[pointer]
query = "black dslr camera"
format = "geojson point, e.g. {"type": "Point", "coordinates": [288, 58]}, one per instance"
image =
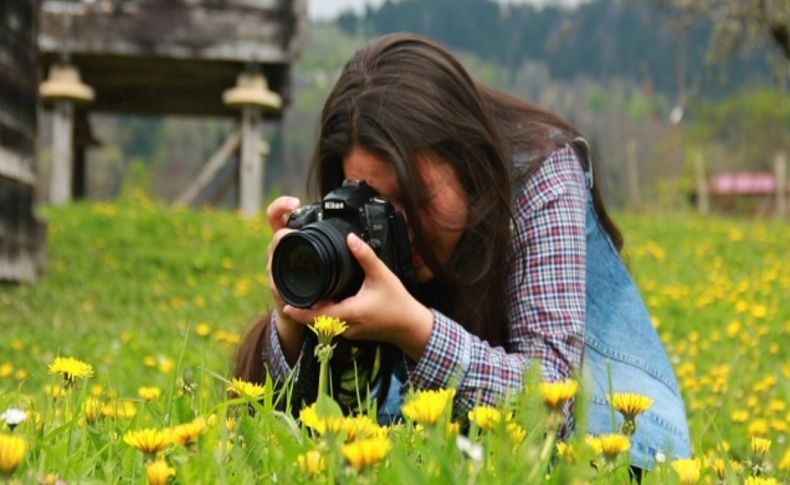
{"type": "Point", "coordinates": [314, 263]}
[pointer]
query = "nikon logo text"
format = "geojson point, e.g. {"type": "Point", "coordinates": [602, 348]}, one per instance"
{"type": "Point", "coordinates": [330, 204]}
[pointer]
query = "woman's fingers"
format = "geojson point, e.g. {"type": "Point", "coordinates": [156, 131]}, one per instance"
{"type": "Point", "coordinates": [365, 256]}
{"type": "Point", "coordinates": [278, 211]}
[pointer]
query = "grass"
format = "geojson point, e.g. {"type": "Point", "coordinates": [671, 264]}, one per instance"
{"type": "Point", "coordinates": [157, 297]}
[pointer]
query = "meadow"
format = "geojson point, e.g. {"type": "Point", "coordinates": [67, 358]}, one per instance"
{"type": "Point", "coordinates": [155, 301]}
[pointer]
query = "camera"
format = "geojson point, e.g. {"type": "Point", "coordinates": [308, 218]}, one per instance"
{"type": "Point", "coordinates": [314, 262]}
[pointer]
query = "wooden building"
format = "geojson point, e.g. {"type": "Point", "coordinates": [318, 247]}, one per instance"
{"type": "Point", "coordinates": [21, 233]}
{"type": "Point", "coordinates": [227, 58]}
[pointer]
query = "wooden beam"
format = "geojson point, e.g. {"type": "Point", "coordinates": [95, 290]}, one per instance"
{"type": "Point", "coordinates": [169, 29]}
{"type": "Point", "coordinates": [210, 169]}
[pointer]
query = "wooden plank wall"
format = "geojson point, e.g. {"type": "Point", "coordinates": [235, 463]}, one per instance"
{"type": "Point", "coordinates": [21, 234]}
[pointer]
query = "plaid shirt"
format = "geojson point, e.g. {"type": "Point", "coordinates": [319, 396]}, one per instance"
{"type": "Point", "coordinates": [547, 300]}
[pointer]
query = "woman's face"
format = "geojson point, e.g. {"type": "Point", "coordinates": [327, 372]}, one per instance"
{"type": "Point", "coordinates": [444, 215]}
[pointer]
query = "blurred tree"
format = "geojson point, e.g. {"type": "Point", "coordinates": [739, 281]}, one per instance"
{"type": "Point", "coordinates": [750, 126]}
{"type": "Point", "coordinates": [737, 23]}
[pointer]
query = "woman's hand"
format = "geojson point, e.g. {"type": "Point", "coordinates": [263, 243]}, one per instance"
{"type": "Point", "coordinates": [382, 310]}
{"type": "Point", "coordinates": [291, 333]}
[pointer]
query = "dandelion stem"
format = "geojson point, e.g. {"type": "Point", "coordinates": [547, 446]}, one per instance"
{"type": "Point", "coordinates": [322, 377]}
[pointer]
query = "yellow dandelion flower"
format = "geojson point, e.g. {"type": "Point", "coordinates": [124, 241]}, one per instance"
{"type": "Point", "coordinates": [687, 469]}
{"type": "Point", "coordinates": [760, 481]}
{"type": "Point", "coordinates": [246, 389]}
{"type": "Point", "coordinates": [594, 442]}
{"type": "Point", "coordinates": [202, 329]}
{"type": "Point", "coordinates": [367, 452]}
{"type": "Point", "coordinates": [311, 463]}
{"type": "Point", "coordinates": [159, 472]}
{"type": "Point", "coordinates": [516, 432]}
{"type": "Point", "coordinates": [784, 463]}
{"type": "Point", "coordinates": [309, 418]}
{"type": "Point", "coordinates": [150, 441]}
{"type": "Point", "coordinates": [780, 426]}
{"type": "Point", "coordinates": [55, 392]}
{"type": "Point", "coordinates": [719, 468]}
{"type": "Point", "coordinates": [629, 404]}
{"type": "Point", "coordinates": [165, 365]}
{"type": "Point", "coordinates": [51, 479]}
{"type": "Point", "coordinates": [760, 447]}
{"type": "Point", "coordinates": [776, 406]}
{"type": "Point", "coordinates": [733, 329]}
{"type": "Point", "coordinates": [119, 410]}
{"type": "Point", "coordinates": [225, 337]}
{"type": "Point", "coordinates": [556, 393]}
{"type": "Point", "coordinates": [485, 417]}
{"type": "Point", "coordinates": [12, 450]}
{"type": "Point", "coordinates": [71, 369]}
{"type": "Point", "coordinates": [425, 407]}
{"type": "Point", "coordinates": [360, 426]}
{"type": "Point", "coordinates": [614, 444]}
{"type": "Point", "coordinates": [758, 427]}
{"type": "Point", "coordinates": [739, 416]}
{"type": "Point", "coordinates": [332, 424]}
{"type": "Point", "coordinates": [565, 452]}
{"type": "Point", "coordinates": [96, 390]}
{"type": "Point", "coordinates": [759, 311]}
{"type": "Point", "coordinates": [230, 424]}
{"type": "Point", "coordinates": [92, 409]}
{"type": "Point", "coordinates": [149, 393]}
{"type": "Point", "coordinates": [187, 433]}
{"type": "Point", "coordinates": [327, 328]}
{"type": "Point", "coordinates": [6, 369]}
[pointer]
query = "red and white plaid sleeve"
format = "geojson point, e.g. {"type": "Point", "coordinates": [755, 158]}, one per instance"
{"type": "Point", "coordinates": [547, 297]}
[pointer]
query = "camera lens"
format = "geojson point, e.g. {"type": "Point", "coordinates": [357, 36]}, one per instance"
{"type": "Point", "coordinates": [314, 264]}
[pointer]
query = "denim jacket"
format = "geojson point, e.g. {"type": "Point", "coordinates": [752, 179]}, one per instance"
{"type": "Point", "coordinates": [622, 347]}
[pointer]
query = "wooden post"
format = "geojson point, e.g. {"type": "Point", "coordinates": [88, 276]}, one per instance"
{"type": "Point", "coordinates": [632, 166]}
{"type": "Point", "coordinates": [251, 167]}
{"type": "Point", "coordinates": [252, 95]}
{"type": "Point", "coordinates": [64, 88]}
{"type": "Point", "coordinates": [780, 167]}
{"type": "Point", "coordinates": [62, 152]}
{"type": "Point", "coordinates": [702, 185]}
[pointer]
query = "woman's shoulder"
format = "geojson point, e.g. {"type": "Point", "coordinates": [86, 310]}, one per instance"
{"type": "Point", "coordinates": [559, 173]}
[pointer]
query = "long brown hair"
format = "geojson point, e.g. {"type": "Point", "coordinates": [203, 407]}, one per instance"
{"type": "Point", "coordinates": [402, 96]}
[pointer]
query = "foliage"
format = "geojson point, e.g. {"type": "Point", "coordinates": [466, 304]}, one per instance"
{"type": "Point", "coordinates": [751, 126]}
{"type": "Point", "coordinates": [600, 39]}
{"type": "Point", "coordinates": [157, 298]}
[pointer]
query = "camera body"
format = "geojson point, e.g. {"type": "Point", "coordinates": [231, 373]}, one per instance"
{"type": "Point", "coordinates": [314, 263]}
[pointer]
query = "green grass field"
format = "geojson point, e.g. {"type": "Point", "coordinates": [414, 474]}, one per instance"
{"type": "Point", "coordinates": [155, 297]}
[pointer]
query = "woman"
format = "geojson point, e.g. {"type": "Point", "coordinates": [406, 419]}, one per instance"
{"type": "Point", "coordinates": [517, 260]}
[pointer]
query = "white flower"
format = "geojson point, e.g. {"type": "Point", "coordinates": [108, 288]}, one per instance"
{"type": "Point", "coordinates": [661, 458]}
{"type": "Point", "coordinates": [473, 450]}
{"type": "Point", "coordinates": [13, 417]}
